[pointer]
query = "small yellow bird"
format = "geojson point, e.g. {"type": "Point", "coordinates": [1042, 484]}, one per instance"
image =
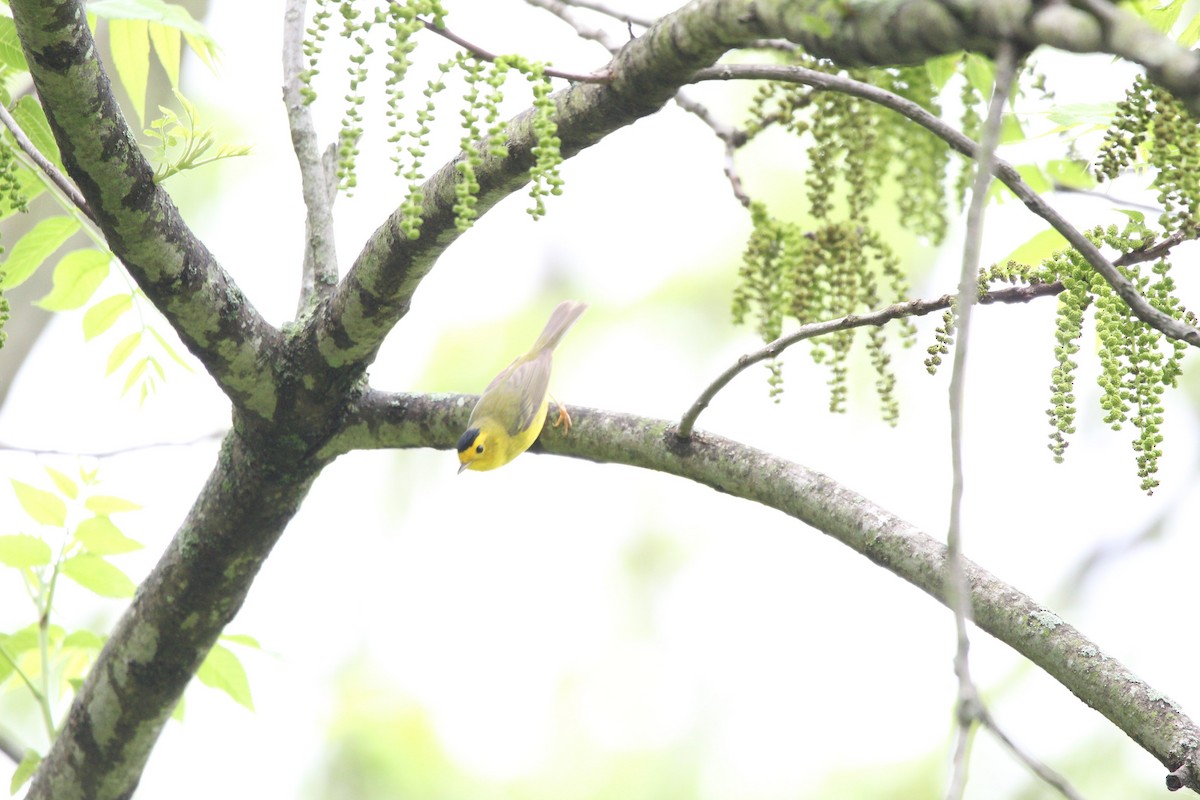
{"type": "Point", "coordinates": [511, 412]}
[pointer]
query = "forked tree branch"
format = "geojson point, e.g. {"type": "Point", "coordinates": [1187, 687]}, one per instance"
{"type": "Point", "coordinates": [1158, 725]}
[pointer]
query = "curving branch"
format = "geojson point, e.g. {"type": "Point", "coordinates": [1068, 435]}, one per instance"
{"type": "Point", "coordinates": [136, 215]}
{"type": "Point", "coordinates": [1120, 284]}
{"type": "Point", "coordinates": [1158, 725]}
{"type": "Point", "coordinates": [301, 401]}
{"type": "Point", "coordinates": [909, 308]}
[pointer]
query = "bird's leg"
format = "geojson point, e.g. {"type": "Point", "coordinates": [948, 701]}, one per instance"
{"type": "Point", "coordinates": [562, 418]}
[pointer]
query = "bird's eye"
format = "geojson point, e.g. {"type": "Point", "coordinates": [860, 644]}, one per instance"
{"type": "Point", "coordinates": [478, 448]}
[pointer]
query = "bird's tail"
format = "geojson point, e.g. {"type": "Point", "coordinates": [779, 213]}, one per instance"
{"type": "Point", "coordinates": [563, 318]}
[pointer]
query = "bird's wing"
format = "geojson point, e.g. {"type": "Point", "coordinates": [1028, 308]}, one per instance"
{"type": "Point", "coordinates": [515, 396]}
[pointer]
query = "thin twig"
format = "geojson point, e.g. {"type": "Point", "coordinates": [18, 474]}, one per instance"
{"type": "Point", "coordinates": [486, 55]}
{"type": "Point", "coordinates": [602, 8]}
{"type": "Point", "coordinates": [731, 137]}
{"type": "Point", "coordinates": [1048, 775]}
{"type": "Point", "coordinates": [63, 183]}
{"type": "Point", "coordinates": [1173, 328]}
{"type": "Point", "coordinates": [958, 590]}
{"type": "Point", "coordinates": [320, 269]}
{"type": "Point", "coordinates": [118, 451]}
{"type": "Point", "coordinates": [909, 308]}
{"type": "Point", "coordinates": [567, 14]}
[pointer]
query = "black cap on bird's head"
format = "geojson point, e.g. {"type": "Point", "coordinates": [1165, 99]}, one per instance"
{"type": "Point", "coordinates": [468, 449]}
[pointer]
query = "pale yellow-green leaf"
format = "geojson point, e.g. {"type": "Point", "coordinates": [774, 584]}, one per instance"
{"type": "Point", "coordinates": [25, 769]}
{"type": "Point", "coordinates": [105, 504]}
{"type": "Point", "coordinates": [83, 640]}
{"type": "Point", "coordinates": [100, 536]}
{"type": "Point", "coordinates": [31, 118]}
{"type": "Point", "coordinates": [1037, 248]}
{"type": "Point", "coordinates": [45, 508]}
{"type": "Point", "coordinates": [129, 41]}
{"type": "Point", "coordinates": [97, 575]}
{"type": "Point", "coordinates": [170, 351]}
{"type": "Point", "coordinates": [76, 278]}
{"type": "Point", "coordinates": [102, 315]}
{"type": "Point", "coordinates": [166, 41]}
{"type": "Point", "coordinates": [136, 372]}
{"type": "Point", "coordinates": [22, 550]}
{"type": "Point", "coordinates": [121, 352]}
{"type": "Point", "coordinates": [11, 54]}
{"type": "Point", "coordinates": [32, 249]}
{"type": "Point", "coordinates": [223, 670]}
{"type": "Point", "coordinates": [242, 639]}
{"type": "Point", "coordinates": [66, 485]}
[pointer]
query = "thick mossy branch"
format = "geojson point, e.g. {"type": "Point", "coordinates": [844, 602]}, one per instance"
{"type": "Point", "coordinates": [140, 222]}
{"type": "Point", "coordinates": [179, 611]}
{"type": "Point", "coordinates": [1151, 720]}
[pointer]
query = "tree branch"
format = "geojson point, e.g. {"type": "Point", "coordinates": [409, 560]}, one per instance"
{"type": "Point", "coordinates": [1158, 725]}
{"type": "Point", "coordinates": [196, 588]}
{"type": "Point", "coordinates": [909, 308]}
{"type": "Point", "coordinates": [487, 55]}
{"type": "Point", "coordinates": [970, 705]}
{"type": "Point", "coordinates": [320, 271]}
{"type": "Point", "coordinates": [137, 217]}
{"type": "Point", "coordinates": [57, 178]}
{"type": "Point", "coordinates": [1124, 288]}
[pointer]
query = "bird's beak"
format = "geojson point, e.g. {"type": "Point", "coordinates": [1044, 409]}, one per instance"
{"type": "Point", "coordinates": [463, 466]}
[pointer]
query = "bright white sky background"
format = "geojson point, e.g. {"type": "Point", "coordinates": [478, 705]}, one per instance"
{"type": "Point", "coordinates": [477, 595]}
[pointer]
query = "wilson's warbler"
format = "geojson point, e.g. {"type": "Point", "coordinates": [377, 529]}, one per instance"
{"type": "Point", "coordinates": [511, 412]}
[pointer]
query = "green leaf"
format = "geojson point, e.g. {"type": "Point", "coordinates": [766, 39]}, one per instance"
{"type": "Point", "coordinates": [83, 640]}
{"type": "Point", "coordinates": [121, 352]}
{"type": "Point", "coordinates": [169, 350]}
{"type": "Point", "coordinates": [1011, 130]}
{"type": "Point", "coordinates": [44, 507]}
{"type": "Point", "coordinates": [981, 73]}
{"type": "Point", "coordinates": [166, 45]}
{"type": "Point", "coordinates": [34, 248]}
{"type": "Point", "coordinates": [129, 42]}
{"type": "Point", "coordinates": [1191, 34]}
{"type": "Point", "coordinates": [1038, 248]}
{"type": "Point", "coordinates": [151, 11]}
{"type": "Point", "coordinates": [941, 69]}
{"type": "Point", "coordinates": [223, 670]}
{"type": "Point", "coordinates": [1071, 114]}
{"type": "Point", "coordinates": [11, 54]}
{"type": "Point", "coordinates": [66, 485]}
{"type": "Point", "coordinates": [22, 550]}
{"type": "Point", "coordinates": [76, 278]}
{"type": "Point", "coordinates": [1070, 173]}
{"type": "Point", "coordinates": [97, 575]}
{"type": "Point", "coordinates": [136, 372]}
{"type": "Point", "coordinates": [105, 504]}
{"type": "Point", "coordinates": [242, 639]}
{"type": "Point", "coordinates": [1033, 175]}
{"type": "Point", "coordinates": [31, 117]}
{"type": "Point", "coordinates": [101, 537]}
{"type": "Point", "coordinates": [101, 316]}
{"type": "Point", "coordinates": [25, 769]}
{"type": "Point", "coordinates": [1135, 215]}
